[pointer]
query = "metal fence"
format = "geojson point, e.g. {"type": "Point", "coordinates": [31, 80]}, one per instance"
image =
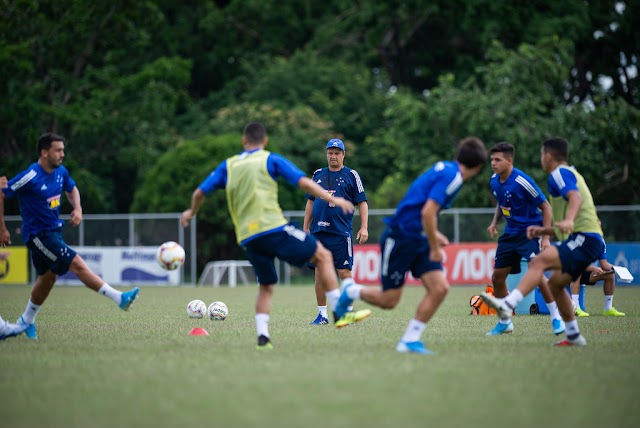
{"type": "Point", "coordinates": [620, 224]}
{"type": "Point", "coordinates": [127, 230]}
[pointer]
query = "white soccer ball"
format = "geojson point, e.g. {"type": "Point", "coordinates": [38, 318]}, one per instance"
{"type": "Point", "coordinates": [196, 309]}
{"type": "Point", "coordinates": [170, 255]}
{"type": "Point", "coordinates": [218, 311]}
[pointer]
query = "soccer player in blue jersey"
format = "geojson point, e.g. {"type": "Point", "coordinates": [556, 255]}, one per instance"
{"type": "Point", "coordinates": [331, 226]}
{"type": "Point", "coordinates": [577, 227]}
{"type": "Point", "coordinates": [39, 190]}
{"type": "Point", "coordinates": [249, 180]}
{"type": "Point", "coordinates": [522, 204]}
{"type": "Point", "coordinates": [412, 242]}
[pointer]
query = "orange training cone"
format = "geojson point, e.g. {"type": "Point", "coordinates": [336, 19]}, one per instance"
{"type": "Point", "coordinates": [198, 332]}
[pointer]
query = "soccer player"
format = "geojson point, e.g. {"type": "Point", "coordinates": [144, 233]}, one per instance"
{"type": "Point", "coordinates": [8, 329]}
{"type": "Point", "coordinates": [249, 180]}
{"type": "Point", "coordinates": [590, 276]}
{"type": "Point", "coordinates": [412, 242]}
{"type": "Point", "coordinates": [39, 190]}
{"type": "Point", "coordinates": [522, 204]}
{"type": "Point", "coordinates": [576, 225]}
{"type": "Point", "coordinates": [333, 227]}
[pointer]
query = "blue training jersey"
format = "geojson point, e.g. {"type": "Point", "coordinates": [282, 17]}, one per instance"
{"type": "Point", "coordinates": [441, 183]}
{"type": "Point", "coordinates": [345, 183]}
{"type": "Point", "coordinates": [39, 194]}
{"type": "Point", "coordinates": [518, 198]}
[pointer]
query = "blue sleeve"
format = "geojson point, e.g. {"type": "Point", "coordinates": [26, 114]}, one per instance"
{"type": "Point", "coordinates": [68, 183]}
{"type": "Point", "coordinates": [443, 181]}
{"type": "Point", "coordinates": [279, 166]}
{"type": "Point", "coordinates": [536, 199]}
{"type": "Point", "coordinates": [568, 183]}
{"type": "Point", "coordinates": [12, 188]}
{"type": "Point", "coordinates": [216, 180]}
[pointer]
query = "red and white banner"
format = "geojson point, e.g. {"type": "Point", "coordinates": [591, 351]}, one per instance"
{"type": "Point", "coordinates": [470, 263]}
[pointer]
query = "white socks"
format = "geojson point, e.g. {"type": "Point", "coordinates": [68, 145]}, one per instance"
{"type": "Point", "coordinates": [110, 292]}
{"type": "Point", "coordinates": [513, 299]}
{"type": "Point", "coordinates": [553, 311]}
{"type": "Point", "coordinates": [262, 324]}
{"type": "Point", "coordinates": [29, 315]}
{"type": "Point", "coordinates": [332, 298]}
{"type": "Point", "coordinates": [414, 331]}
{"type": "Point", "coordinates": [608, 302]}
{"type": "Point", "coordinates": [322, 310]}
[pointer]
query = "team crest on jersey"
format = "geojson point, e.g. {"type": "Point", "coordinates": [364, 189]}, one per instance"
{"type": "Point", "coordinates": [54, 202]}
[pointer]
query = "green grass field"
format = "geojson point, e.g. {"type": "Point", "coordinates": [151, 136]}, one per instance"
{"type": "Point", "coordinates": [96, 366]}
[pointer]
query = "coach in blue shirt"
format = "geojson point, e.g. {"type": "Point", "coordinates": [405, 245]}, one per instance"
{"type": "Point", "coordinates": [331, 226]}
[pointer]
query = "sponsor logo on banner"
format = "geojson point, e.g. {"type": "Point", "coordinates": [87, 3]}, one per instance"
{"type": "Point", "coordinates": [463, 264]}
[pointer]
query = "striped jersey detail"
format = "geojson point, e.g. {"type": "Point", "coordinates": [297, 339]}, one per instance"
{"type": "Point", "coordinates": [557, 177]}
{"type": "Point", "coordinates": [527, 186]}
{"type": "Point", "coordinates": [24, 180]}
{"type": "Point", "coordinates": [455, 184]}
{"type": "Point", "coordinates": [358, 180]}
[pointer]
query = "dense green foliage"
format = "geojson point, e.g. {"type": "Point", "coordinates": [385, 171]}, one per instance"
{"type": "Point", "coordinates": [131, 84]}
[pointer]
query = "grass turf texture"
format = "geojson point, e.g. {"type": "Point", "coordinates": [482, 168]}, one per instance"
{"type": "Point", "coordinates": [97, 366]}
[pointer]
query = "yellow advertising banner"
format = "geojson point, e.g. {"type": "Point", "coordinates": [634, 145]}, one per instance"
{"type": "Point", "coordinates": [14, 265]}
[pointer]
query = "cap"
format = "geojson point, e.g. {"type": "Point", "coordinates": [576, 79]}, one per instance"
{"type": "Point", "coordinates": [335, 144]}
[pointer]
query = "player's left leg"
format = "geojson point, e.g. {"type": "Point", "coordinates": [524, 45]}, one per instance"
{"type": "Point", "coordinates": [437, 287]}
{"type": "Point", "coordinates": [558, 283]}
{"type": "Point", "coordinates": [609, 289]}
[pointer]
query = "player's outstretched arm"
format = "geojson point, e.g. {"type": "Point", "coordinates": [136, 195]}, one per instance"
{"type": "Point", "coordinates": [197, 198]}
{"type": "Point", "coordinates": [313, 188]}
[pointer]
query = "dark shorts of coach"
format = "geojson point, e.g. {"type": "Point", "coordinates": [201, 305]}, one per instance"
{"type": "Point", "coordinates": [291, 245]}
{"type": "Point", "coordinates": [341, 248]}
{"type": "Point", "coordinates": [400, 254]}
{"type": "Point", "coordinates": [50, 252]}
{"type": "Point", "coordinates": [513, 248]}
{"type": "Point", "coordinates": [578, 252]}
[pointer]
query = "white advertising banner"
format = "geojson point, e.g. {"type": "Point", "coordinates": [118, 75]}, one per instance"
{"type": "Point", "coordinates": [123, 266]}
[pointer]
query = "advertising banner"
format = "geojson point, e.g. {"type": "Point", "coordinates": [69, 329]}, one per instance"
{"type": "Point", "coordinates": [124, 266]}
{"type": "Point", "coordinates": [14, 265]}
{"type": "Point", "coordinates": [464, 264]}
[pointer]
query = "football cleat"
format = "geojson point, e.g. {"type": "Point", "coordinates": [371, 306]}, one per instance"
{"type": "Point", "coordinates": [264, 342]}
{"type": "Point", "coordinates": [351, 317]}
{"type": "Point", "coordinates": [613, 312]}
{"type": "Point", "coordinates": [128, 297]}
{"type": "Point", "coordinates": [558, 326]}
{"type": "Point", "coordinates": [578, 341]}
{"type": "Point", "coordinates": [320, 320]}
{"type": "Point", "coordinates": [416, 347]}
{"type": "Point", "coordinates": [30, 329]}
{"type": "Point", "coordinates": [497, 304]}
{"type": "Point", "coordinates": [501, 329]}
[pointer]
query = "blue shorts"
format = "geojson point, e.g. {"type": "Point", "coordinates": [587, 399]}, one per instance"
{"type": "Point", "coordinates": [513, 248]}
{"type": "Point", "coordinates": [400, 254]}
{"type": "Point", "coordinates": [291, 245]}
{"type": "Point", "coordinates": [340, 246]}
{"type": "Point", "coordinates": [50, 252]}
{"type": "Point", "coordinates": [578, 252]}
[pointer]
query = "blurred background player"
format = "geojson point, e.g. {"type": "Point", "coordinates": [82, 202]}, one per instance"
{"type": "Point", "coordinates": [591, 276]}
{"type": "Point", "coordinates": [412, 242]}
{"type": "Point", "coordinates": [39, 190]}
{"type": "Point", "coordinates": [331, 226]}
{"type": "Point", "coordinates": [522, 204]}
{"type": "Point", "coordinates": [250, 183]}
{"type": "Point", "coordinates": [577, 227]}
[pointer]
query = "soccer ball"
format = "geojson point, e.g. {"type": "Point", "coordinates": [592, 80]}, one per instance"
{"type": "Point", "coordinates": [218, 311]}
{"type": "Point", "coordinates": [196, 309]}
{"type": "Point", "coordinates": [170, 255]}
